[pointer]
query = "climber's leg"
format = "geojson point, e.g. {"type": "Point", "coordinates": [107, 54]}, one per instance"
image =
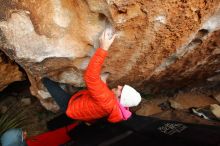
{"type": "Point", "coordinates": [58, 94]}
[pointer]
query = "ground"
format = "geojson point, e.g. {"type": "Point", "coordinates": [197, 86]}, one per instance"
{"type": "Point", "coordinates": [18, 95]}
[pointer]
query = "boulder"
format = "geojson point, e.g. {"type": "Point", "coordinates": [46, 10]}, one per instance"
{"type": "Point", "coordinates": [161, 45]}
{"type": "Point", "coordinates": [191, 99]}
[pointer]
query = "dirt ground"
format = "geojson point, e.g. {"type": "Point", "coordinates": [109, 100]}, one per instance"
{"type": "Point", "coordinates": [18, 95]}
{"type": "Point", "coordinates": [37, 115]}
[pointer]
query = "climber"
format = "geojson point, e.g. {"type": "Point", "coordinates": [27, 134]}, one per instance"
{"type": "Point", "coordinates": [98, 100]}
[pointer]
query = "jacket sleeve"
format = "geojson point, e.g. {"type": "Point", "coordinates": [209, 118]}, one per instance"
{"type": "Point", "coordinates": [97, 88]}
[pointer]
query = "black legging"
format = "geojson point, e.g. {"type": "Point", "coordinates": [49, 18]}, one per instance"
{"type": "Point", "coordinates": [58, 94]}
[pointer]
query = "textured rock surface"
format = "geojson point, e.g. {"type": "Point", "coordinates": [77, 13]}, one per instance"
{"type": "Point", "coordinates": [151, 107]}
{"type": "Point", "coordinates": [215, 108]}
{"type": "Point", "coordinates": [217, 96]}
{"type": "Point", "coordinates": [161, 45]}
{"type": "Point", "coordinates": [192, 99]}
{"type": "Point", "coordinates": [9, 72]}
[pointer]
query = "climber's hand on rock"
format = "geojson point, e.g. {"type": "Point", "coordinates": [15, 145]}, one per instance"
{"type": "Point", "coordinates": [106, 39]}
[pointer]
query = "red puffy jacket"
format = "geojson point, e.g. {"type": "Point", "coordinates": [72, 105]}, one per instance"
{"type": "Point", "coordinates": [98, 100]}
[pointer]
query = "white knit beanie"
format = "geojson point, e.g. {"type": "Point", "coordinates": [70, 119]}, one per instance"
{"type": "Point", "coordinates": [129, 97]}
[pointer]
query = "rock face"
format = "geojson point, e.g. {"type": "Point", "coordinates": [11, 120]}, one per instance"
{"type": "Point", "coordinates": [192, 99]}
{"type": "Point", "coordinates": [161, 45]}
{"type": "Point", "coordinates": [9, 72]}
